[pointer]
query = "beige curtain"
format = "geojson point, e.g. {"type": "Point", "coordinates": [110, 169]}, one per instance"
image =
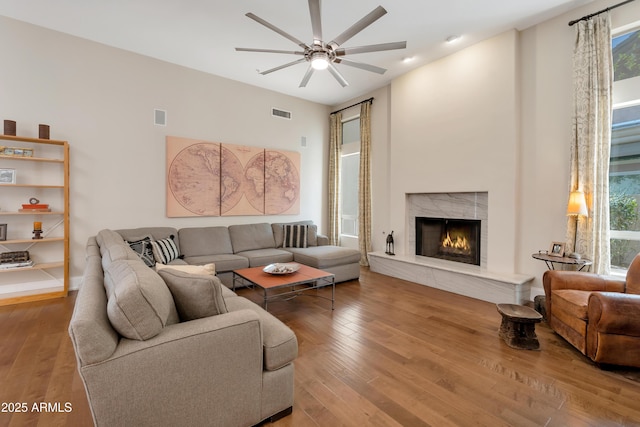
{"type": "Point", "coordinates": [591, 139]}
{"type": "Point", "coordinates": [335, 147]}
{"type": "Point", "coordinates": [364, 185]}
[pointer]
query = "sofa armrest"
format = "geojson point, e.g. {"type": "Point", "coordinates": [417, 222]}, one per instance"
{"type": "Point", "coordinates": [615, 313]}
{"type": "Point", "coordinates": [323, 240]}
{"type": "Point", "coordinates": [196, 364]}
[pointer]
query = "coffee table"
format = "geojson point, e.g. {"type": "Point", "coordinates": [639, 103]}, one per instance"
{"type": "Point", "coordinates": [277, 286]}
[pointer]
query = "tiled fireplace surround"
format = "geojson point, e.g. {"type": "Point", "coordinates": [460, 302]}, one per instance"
{"type": "Point", "coordinates": [465, 279]}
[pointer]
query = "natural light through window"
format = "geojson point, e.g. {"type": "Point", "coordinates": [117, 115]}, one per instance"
{"type": "Point", "coordinates": [349, 177]}
{"type": "Point", "coordinates": [624, 170]}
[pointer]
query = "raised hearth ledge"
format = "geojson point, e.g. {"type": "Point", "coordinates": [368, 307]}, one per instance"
{"type": "Point", "coordinates": [464, 279]}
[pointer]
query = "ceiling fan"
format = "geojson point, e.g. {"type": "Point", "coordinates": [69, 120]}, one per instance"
{"type": "Point", "coordinates": [321, 55]}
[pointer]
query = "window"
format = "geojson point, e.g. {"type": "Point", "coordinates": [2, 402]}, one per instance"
{"type": "Point", "coordinates": [349, 172]}
{"type": "Point", "coordinates": [624, 167]}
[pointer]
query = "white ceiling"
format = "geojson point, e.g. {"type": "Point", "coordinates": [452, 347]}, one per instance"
{"type": "Point", "coordinates": [202, 34]}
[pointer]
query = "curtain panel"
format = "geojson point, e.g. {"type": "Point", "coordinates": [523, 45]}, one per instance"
{"type": "Point", "coordinates": [591, 139]}
{"type": "Point", "coordinates": [364, 185]}
{"type": "Point", "coordinates": [335, 149]}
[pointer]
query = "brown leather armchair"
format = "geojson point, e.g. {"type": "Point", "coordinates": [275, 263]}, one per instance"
{"type": "Point", "coordinates": [598, 315]}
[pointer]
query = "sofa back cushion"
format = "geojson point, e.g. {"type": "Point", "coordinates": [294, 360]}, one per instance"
{"type": "Point", "coordinates": [156, 233]}
{"type": "Point", "coordinates": [249, 237]}
{"type": "Point", "coordinates": [200, 241]}
{"type": "Point", "coordinates": [113, 248]}
{"type": "Point", "coordinates": [139, 303]}
{"type": "Point", "coordinates": [632, 285]}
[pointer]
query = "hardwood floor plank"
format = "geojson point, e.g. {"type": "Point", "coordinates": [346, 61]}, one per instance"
{"type": "Point", "coordinates": [392, 353]}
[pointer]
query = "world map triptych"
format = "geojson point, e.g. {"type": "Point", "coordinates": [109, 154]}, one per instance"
{"type": "Point", "coordinates": [218, 179]}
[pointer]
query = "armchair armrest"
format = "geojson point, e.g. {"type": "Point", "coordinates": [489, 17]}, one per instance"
{"type": "Point", "coordinates": [615, 313]}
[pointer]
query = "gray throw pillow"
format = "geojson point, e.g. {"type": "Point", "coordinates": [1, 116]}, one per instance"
{"type": "Point", "coordinates": [195, 296]}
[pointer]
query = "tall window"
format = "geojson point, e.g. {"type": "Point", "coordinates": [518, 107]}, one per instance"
{"type": "Point", "coordinates": [624, 168]}
{"type": "Point", "coordinates": [349, 176]}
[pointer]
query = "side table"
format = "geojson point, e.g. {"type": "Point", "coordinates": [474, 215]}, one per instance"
{"type": "Point", "coordinates": [550, 260]}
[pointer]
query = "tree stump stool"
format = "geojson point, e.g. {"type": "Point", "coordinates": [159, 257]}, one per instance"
{"type": "Point", "coordinates": [518, 328]}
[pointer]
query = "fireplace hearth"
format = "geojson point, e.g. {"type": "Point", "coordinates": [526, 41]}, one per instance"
{"type": "Point", "coordinates": [448, 238]}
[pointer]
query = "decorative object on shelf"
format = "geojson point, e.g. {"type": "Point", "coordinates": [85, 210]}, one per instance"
{"type": "Point", "coordinates": [15, 256]}
{"type": "Point", "coordinates": [16, 151]}
{"type": "Point", "coordinates": [3, 231]}
{"type": "Point", "coordinates": [576, 208]}
{"type": "Point", "coordinates": [7, 176]}
{"type": "Point", "coordinates": [43, 131]}
{"type": "Point", "coordinates": [556, 249]}
{"type": "Point", "coordinates": [34, 205]}
{"type": "Point", "coordinates": [37, 230]}
{"type": "Point", "coordinates": [10, 127]}
{"type": "Point", "coordinates": [390, 244]}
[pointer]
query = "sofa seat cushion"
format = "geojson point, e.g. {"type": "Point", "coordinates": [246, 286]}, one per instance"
{"type": "Point", "coordinates": [139, 303]}
{"type": "Point", "coordinates": [280, 345]}
{"type": "Point", "coordinates": [223, 262]}
{"type": "Point", "coordinates": [325, 256]}
{"type": "Point", "coordinates": [260, 257]}
{"type": "Point", "coordinates": [572, 302]}
{"type": "Point", "coordinates": [249, 237]}
{"type": "Point", "coordinates": [195, 295]}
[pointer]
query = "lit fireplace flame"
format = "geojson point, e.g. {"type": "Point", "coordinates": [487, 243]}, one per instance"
{"type": "Point", "coordinates": [460, 243]}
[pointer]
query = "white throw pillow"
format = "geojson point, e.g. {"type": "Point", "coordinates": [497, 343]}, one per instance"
{"type": "Point", "coordinates": [191, 269]}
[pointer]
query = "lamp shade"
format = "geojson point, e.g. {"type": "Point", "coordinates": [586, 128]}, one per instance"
{"type": "Point", "coordinates": [577, 204]}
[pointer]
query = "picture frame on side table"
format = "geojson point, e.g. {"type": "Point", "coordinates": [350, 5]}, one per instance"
{"type": "Point", "coordinates": [3, 232]}
{"type": "Point", "coordinates": [7, 176]}
{"type": "Point", "coordinates": [557, 249]}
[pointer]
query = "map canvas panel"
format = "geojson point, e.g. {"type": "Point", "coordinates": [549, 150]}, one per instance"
{"type": "Point", "coordinates": [282, 182]}
{"type": "Point", "coordinates": [242, 180]}
{"type": "Point", "coordinates": [193, 177]}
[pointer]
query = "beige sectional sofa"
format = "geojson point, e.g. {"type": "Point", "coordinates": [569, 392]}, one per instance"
{"type": "Point", "coordinates": [174, 348]}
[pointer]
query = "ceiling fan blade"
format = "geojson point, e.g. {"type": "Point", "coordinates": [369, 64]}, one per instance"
{"type": "Point", "coordinates": [283, 66]}
{"type": "Point", "coordinates": [373, 16]}
{"type": "Point", "coordinates": [316, 21]}
{"type": "Point", "coordinates": [362, 66]}
{"type": "Point", "coordinates": [307, 76]}
{"type": "Point", "coordinates": [277, 30]}
{"type": "Point", "coordinates": [335, 73]}
{"type": "Point", "coordinates": [371, 48]}
{"type": "Point", "coordinates": [248, 49]}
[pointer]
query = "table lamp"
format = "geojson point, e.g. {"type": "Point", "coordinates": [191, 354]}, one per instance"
{"type": "Point", "coordinates": [577, 207]}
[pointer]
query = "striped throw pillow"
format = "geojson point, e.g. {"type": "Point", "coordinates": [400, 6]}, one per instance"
{"type": "Point", "coordinates": [295, 236]}
{"type": "Point", "coordinates": [165, 250]}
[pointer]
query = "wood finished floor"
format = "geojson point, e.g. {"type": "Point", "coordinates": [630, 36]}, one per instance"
{"type": "Point", "coordinates": [392, 353]}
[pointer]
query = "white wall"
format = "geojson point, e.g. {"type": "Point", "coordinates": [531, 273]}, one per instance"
{"type": "Point", "coordinates": [454, 128]}
{"type": "Point", "coordinates": [101, 100]}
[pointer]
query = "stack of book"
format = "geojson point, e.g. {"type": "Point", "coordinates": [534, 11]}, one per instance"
{"type": "Point", "coordinates": [21, 264]}
{"type": "Point", "coordinates": [35, 207]}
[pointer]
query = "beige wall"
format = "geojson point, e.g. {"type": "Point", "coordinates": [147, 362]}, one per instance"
{"type": "Point", "coordinates": [102, 99]}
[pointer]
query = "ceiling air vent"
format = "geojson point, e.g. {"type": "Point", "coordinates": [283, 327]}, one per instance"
{"type": "Point", "coordinates": [276, 112]}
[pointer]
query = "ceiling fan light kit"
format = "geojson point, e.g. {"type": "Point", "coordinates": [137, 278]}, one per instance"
{"type": "Point", "coordinates": [323, 56]}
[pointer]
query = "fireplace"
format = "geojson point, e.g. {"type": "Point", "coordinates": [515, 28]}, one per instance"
{"type": "Point", "coordinates": [450, 239]}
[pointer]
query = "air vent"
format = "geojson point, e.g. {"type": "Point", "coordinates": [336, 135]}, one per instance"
{"type": "Point", "coordinates": [276, 112]}
{"type": "Point", "coordinates": [159, 117]}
